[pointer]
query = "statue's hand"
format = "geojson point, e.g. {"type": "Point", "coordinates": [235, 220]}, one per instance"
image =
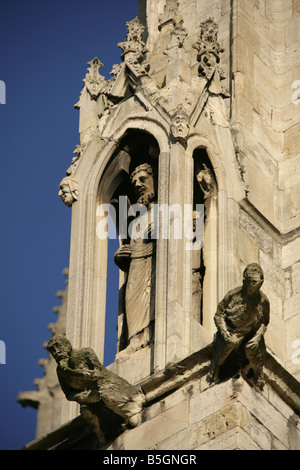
{"type": "Point", "coordinates": [232, 338]}
{"type": "Point", "coordinates": [253, 343]}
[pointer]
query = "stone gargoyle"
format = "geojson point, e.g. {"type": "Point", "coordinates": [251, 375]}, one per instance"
{"type": "Point", "coordinates": [241, 320]}
{"type": "Point", "coordinates": [107, 402]}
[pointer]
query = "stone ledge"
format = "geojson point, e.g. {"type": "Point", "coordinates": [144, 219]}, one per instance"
{"type": "Point", "coordinates": [188, 379]}
{"type": "Point", "coordinates": [197, 365]}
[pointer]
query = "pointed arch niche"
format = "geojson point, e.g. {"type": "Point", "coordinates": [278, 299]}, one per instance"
{"type": "Point", "coordinates": [103, 175]}
{"type": "Point", "coordinates": [216, 184]}
{"type": "Point", "coordinates": [115, 196]}
{"type": "Point", "coordinates": [205, 260]}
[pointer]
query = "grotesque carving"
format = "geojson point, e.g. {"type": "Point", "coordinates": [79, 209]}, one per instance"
{"type": "Point", "coordinates": [98, 391]}
{"type": "Point", "coordinates": [180, 126]}
{"type": "Point", "coordinates": [241, 320]}
{"type": "Point", "coordinates": [138, 260]}
{"type": "Point", "coordinates": [68, 190]}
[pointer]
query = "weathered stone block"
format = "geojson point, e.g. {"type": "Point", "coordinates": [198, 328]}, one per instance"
{"type": "Point", "coordinates": [150, 433]}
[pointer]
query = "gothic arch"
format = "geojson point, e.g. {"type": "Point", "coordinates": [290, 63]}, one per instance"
{"type": "Point", "coordinates": [221, 264]}
{"type": "Point", "coordinates": [85, 326]}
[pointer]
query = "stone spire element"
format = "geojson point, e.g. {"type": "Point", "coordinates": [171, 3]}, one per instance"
{"type": "Point", "coordinates": [48, 396]}
{"type": "Point", "coordinates": [93, 80]}
{"type": "Point", "coordinates": [134, 40]}
{"type": "Point", "coordinates": [134, 49]}
{"type": "Point", "coordinates": [170, 14]}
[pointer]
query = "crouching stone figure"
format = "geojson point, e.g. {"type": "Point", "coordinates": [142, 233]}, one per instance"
{"type": "Point", "coordinates": [107, 402]}
{"type": "Point", "coordinates": [241, 320]}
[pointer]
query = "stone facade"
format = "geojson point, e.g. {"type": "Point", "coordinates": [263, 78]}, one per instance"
{"type": "Point", "coordinates": [228, 417]}
{"type": "Point", "coordinates": [202, 86]}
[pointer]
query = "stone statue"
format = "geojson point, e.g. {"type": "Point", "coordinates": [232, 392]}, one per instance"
{"type": "Point", "coordinates": [138, 260]}
{"type": "Point", "coordinates": [241, 320]}
{"type": "Point", "coordinates": [208, 187]}
{"type": "Point", "coordinates": [85, 380]}
{"type": "Point", "coordinates": [68, 190]}
{"type": "Point", "coordinates": [206, 180]}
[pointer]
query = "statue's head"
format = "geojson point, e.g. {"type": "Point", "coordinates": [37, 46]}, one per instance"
{"type": "Point", "coordinates": [143, 179]}
{"type": "Point", "coordinates": [180, 125]}
{"type": "Point", "coordinates": [68, 190]}
{"type": "Point", "coordinates": [60, 347]}
{"type": "Point", "coordinates": [253, 277]}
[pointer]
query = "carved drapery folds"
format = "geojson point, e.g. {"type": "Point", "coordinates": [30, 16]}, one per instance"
{"type": "Point", "coordinates": [137, 260]}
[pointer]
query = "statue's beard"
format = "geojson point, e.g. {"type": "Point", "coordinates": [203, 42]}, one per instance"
{"type": "Point", "coordinates": [146, 198]}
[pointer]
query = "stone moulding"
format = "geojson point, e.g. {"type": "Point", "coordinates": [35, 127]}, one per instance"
{"type": "Point", "coordinates": [164, 383]}
{"type": "Point", "coordinates": [197, 365]}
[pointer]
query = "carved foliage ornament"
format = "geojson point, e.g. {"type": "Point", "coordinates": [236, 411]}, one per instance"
{"type": "Point", "coordinates": [134, 39]}
{"type": "Point", "coordinates": [208, 48]}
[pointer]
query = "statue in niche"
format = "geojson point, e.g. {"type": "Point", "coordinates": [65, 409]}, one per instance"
{"type": "Point", "coordinates": [107, 402]}
{"type": "Point", "coordinates": [208, 189]}
{"type": "Point", "coordinates": [241, 320]}
{"type": "Point", "coordinates": [137, 259]}
{"type": "Point", "coordinates": [68, 190]}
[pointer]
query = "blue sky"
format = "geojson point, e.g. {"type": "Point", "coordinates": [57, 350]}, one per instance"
{"type": "Point", "coordinates": [45, 47]}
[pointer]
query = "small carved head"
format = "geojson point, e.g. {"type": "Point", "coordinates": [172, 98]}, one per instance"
{"type": "Point", "coordinates": [253, 277]}
{"type": "Point", "coordinates": [180, 126]}
{"type": "Point", "coordinates": [68, 190]}
{"type": "Point", "coordinates": [60, 347]}
{"type": "Point", "coordinates": [143, 181]}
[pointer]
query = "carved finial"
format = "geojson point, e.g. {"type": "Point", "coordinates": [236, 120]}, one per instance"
{"type": "Point", "coordinates": [208, 48]}
{"type": "Point", "coordinates": [93, 80]}
{"type": "Point", "coordinates": [134, 39]}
